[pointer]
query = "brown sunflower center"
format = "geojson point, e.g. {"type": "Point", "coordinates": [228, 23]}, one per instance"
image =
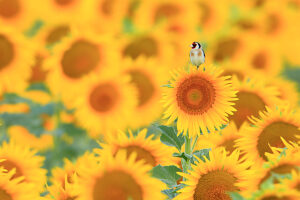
{"type": "Point", "coordinates": [247, 104]}
{"type": "Point", "coordinates": [64, 2]}
{"type": "Point", "coordinates": [237, 73]}
{"type": "Point", "coordinates": [145, 46]}
{"type": "Point", "coordinates": [229, 145]}
{"type": "Point", "coordinates": [142, 154]}
{"type": "Point", "coordinates": [4, 195]}
{"type": "Point", "coordinates": [273, 23]}
{"type": "Point", "coordinates": [80, 59]}
{"type": "Point", "coordinates": [215, 185]}
{"type": "Point", "coordinates": [226, 48]}
{"type": "Point", "coordinates": [117, 185]}
{"type": "Point", "coordinates": [37, 73]}
{"type": "Point", "coordinates": [206, 13]}
{"type": "Point", "coordinates": [297, 186]}
{"type": "Point", "coordinates": [9, 8]}
{"type": "Point", "coordinates": [166, 11]}
{"type": "Point", "coordinates": [259, 60]}
{"type": "Point", "coordinates": [104, 97]}
{"type": "Point", "coordinates": [6, 52]}
{"type": "Point", "coordinates": [195, 95]}
{"type": "Point", "coordinates": [280, 169]}
{"type": "Point", "coordinates": [57, 34]}
{"type": "Point", "coordinates": [107, 7]}
{"type": "Point", "coordinates": [245, 24]}
{"type": "Point", "coordinates": [272, 135]}
{"type": "Point", "coordinates": [273, 197]}
{"type": "Point", "coordinates": [9, 165]}
{"type": "Point", "coordinates": [71, 198]}
{"type": "Point", "coordinates": [144, 86]}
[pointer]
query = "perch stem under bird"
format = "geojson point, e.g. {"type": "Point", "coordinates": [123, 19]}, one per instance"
{"type": "Point", "coordinates": [197, 55]}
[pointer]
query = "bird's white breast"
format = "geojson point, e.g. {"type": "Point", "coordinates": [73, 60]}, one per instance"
{"type": "Point", "coordinates": [197, 57]}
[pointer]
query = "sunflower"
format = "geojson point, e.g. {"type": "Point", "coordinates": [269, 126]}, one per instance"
{"type": "Point", "coordinates": [38, 74]}
{"type": "Point", "coordinates": [16, 58]}
{"type": "Point", "coordinates": [25, 163]}
{"type": "Point", "coordinates": [76, 57]}
{"type": "Point", "coordinates": [267, 131]}
{"type": "Point", "coordinates": [279, 192]}
{"type": "Point", "coordinates": [200, 100]}
{"type": "Point", "coordinates": [150, 13]}
{"type": "Point", "coordinates": [14, 188]}
{"type": "Point", "coordinates": [216, 177]}
{"type": "Point", "coordinates": [23, 137]}
{"type": "Point", "coordinates": [152, 151]}
{"type": "Point", "coordinates": [266, 58]}
{"type": "Point", "coordinates": [226, 138]}
{"type": "Point", "coordinates": [119, 178]}
{"type": "Point", "coordinates": [17, 13]}
{"type": "Point", "coordinates": [151, 44]}
{"type": "Point", "coordinates": [105, 104]}
{"type": "Point", "coordinates": [148, 79]}
{"type": "Point", "coordinates": [287, 90]}
{"type": "Point", "coordinates": [278, 163]}
{"type": "Point", "coordinates": [254, 95]}
{"type": "Point", "coordinates": [235, 69]}
{"type": "Point", "coordinates": [59, 193]}
{"type": "Point", "coordinates": [108, 16]}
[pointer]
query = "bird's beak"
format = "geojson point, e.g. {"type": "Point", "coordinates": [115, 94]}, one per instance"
{"type": "Point", "coordinates": [191, 45]}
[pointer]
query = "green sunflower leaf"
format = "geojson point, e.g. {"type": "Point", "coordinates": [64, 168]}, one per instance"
{"type": "Point", "coordinates": [167, 174]}
{"type": "Point", "coordinates": [169, 137]}
{"type": "Point", "coordinates": [236, 196]}
{"type": "Point", "coordinates": [200, 154]}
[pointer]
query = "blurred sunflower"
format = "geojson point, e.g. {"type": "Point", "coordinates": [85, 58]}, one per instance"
{"type": "Point", "coordinates": [200, 100]}
{"type": "Point", "coordinates": [148, 79]}
{"type": "Point", "coordinates": [14, 189]}
{"type": "Point", "coordinates": [265, 58]}
{"type": "Point", "coordinates": [23, 137]}
{"type": "Point", "coordinates": [150, 13]}
{"type": "Point", "coordinates": [150, 44]}
{"type": "Point", "coordinates": [267, 131]}
{"type": "Point", "coordinates": [25, 162]}
{"type": "Point", "coordinates": [105, 104]}
{"type": "Point", "coordinates": [150, 150]}
{"type": "Point", "coordinates": [294, 182]}
{"type": "Point", "coordinates": [280, 192]}
{"type": "Point", "coordinates": [234, 69]}
{"type": "Point", "coordinates": [253, 96]}
{"type": "Point", "coordinates": [17, 13]}
{"type": "Point", "coordinates": [119, 178]}
{"type": "Point", "coordinates": [38, 74]}
{"type": "Point", "coordinates": [226, 138]}
{"type": "Point", "coordinates": [216, 177]}
{"type": "Point", "coordinates": [59, 193]}
{"type": "Point", "coordinates": [108, 16]}
{"type": "Point", "coordinates": [76, 57]}
{"type": "Point", "coordinates": [17, 56]}
{"type": "Point", "coordinates": [288, 91]}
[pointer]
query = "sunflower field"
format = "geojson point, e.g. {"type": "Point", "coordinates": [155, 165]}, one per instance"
{"type": "Point", "coordinates": [103, 99]}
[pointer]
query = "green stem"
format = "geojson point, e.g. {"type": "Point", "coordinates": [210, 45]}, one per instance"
{"type": "Point", "coordinates": [186, 164]}
{"type": "Point", "coordinates": [196, 139]}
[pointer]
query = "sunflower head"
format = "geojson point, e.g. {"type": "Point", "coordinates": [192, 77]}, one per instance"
{"type": "Point", "coordinates": [200, 100]}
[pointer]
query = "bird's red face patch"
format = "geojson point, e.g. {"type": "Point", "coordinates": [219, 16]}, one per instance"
{"type": "Point", "coordinates": [194, 45]}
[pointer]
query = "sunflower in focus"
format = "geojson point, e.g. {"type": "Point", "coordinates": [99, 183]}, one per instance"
{"type": "Point", "coordinates": [25, 162]}
{"type": "Point", "coordinates": [15, 60]}
{"type": "Point", "coordinates": [105, 104]}
{"type": "Point", "coordinates": [216, 177]}
{"type": "Point", "coordinates": [152, 151]}
{"type": "Point", "coordinates": [254, 95]}
{"type": "Point", "coordinates": [200, 100]}
{"type": "Point", "coordinates": [23, 137]}
{"type": "Point", "coordinates": [267, 131]}
{"type": "Point", "coordinates": [119, 177]}
{"type": "Point", "coordinates": [148, 79]}
{"type": "Point", "coordinates": [76, 57]}
{"type": "Point", "coordinates": [14, 188]}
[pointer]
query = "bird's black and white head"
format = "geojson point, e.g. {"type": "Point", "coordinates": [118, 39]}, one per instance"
{"type": "Point", "coordinates": [196, 45]}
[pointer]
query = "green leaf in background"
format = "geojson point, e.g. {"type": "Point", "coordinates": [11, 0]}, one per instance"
{"type": "Point", "coordinates": [169, 137]}
{"type": "Point", "coordinates": [236, 196]}
{"type": "Point", "coordinates": [167, 174]}
{"type": "Point", "coordinates": [171, 193]}
{"type": "Point", "coordinates": [201, 153]}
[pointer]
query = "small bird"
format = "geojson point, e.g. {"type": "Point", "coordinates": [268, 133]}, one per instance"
{"type": "Point", "coordinates": [197, 54]}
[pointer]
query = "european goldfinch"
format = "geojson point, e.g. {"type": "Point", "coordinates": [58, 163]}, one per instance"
{"type": "Point", "coordinates": [197, 54]}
